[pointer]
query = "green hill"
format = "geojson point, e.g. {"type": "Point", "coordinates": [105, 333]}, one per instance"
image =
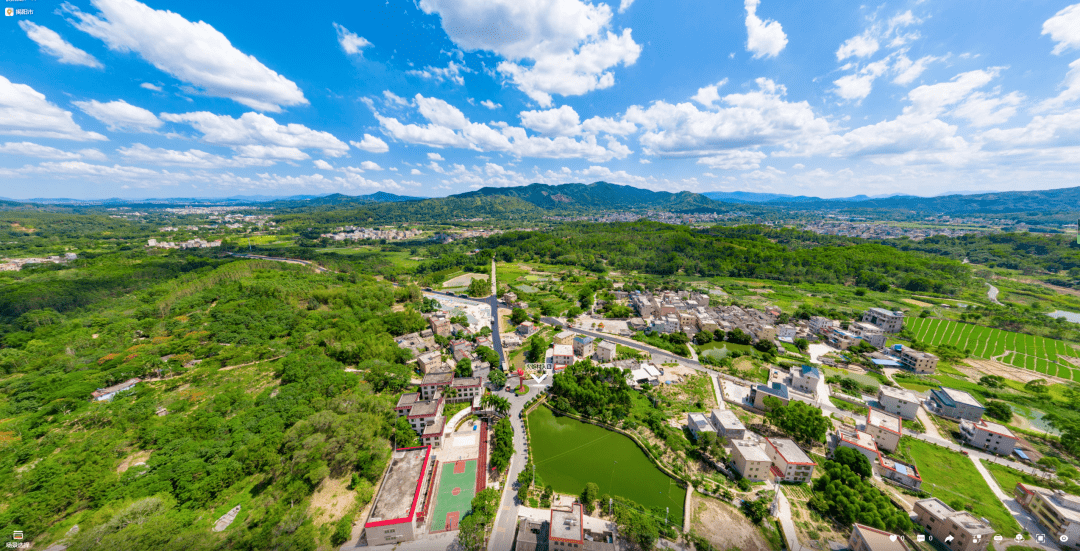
{"type": "Point", "coordinates": [599, 196]}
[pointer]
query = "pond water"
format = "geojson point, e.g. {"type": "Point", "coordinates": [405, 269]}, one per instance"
{"type": "Point", "coordinates": [1071, 316]}
{"type": "Point", "coordinates": [570, 454]}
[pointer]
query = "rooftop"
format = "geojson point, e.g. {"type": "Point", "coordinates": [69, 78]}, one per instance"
{"type": "Point", "coordinates": [879, 540]}
{"type": "Point", "coordinates": [989, 426]}
{"type": "Point", "coordinates": [958, 396]}
{"type": "Point", "coordinates": [790, 451]}
{"type": "Point", "coordinates": [750, 450]}
{"type": "Point", "coordinates": [566, 525]}
{"type": "Point", "coordinates": [467, 381]}
{"type": "Point", "coordinates": [401, 487]}
{"type": "Point", "coordinates": [810, 371]}
{"type": "Point", "coordinates": [937, 508]}
{"type": "Point", "coordinates": [564, 350]}
{"type": "Point", "coordinates": [442, 378]}
{"type": "Point", "coordinates": [906, 469]}
{"type": "Point", "coordinates": [899, 394]}
{"type": "Point", "coordinates": [698, 421]}
{"type": "Point", "coordinates": [1065, 505]}
{"type": "Point", "coordinates": [884, 312]}
{"type": "Point", "coordinates": [585, 339]}
{"type": "Point", "coordinates": [407, 400]}
{"type": "Point", "coordinates": [426, 408]}
{"type": "Point", "coordinates": [857, 438]}
{"type": "Point", "coordinates": [116, 388]}
{"type": "Point", "coordinates": [777, 389]}
{"type": "Point", "coordinates": [728, 419]}
{"type": "Point", "coordinates": [881, 419]}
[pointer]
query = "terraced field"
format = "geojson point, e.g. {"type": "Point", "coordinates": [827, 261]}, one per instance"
{"type": "Point", "coordinates": [1016, 349]}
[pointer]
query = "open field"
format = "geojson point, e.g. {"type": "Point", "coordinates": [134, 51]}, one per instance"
{"type": "Point", "coordinates": [952, 478]}
{"type": "Point", "coordinates": [1029, 352]}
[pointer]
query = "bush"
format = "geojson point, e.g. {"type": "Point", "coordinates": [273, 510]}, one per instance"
{"type": "Point", "coordinates": [342, 531]}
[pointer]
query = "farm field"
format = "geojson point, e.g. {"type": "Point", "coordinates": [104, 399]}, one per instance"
{"type": "Point", "coordinates": [1029, 352]}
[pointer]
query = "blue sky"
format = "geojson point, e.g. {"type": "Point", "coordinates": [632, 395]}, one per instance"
{"type": "Point", "coordinates": [120, 98]}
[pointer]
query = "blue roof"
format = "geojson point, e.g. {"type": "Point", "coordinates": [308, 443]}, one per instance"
{"type": "Point", "coordinates": [811, 370]}
{"type": "Point", "coordinates": [1021, 455]}
{"type": "Point", "coordinates": [887, 363]}
{"type": "Point", "coordinates": [902, 469]}
{"type": "Point", "coordinates": [584, 339]}
{"type": "Point", "coordinates": [777, 389]}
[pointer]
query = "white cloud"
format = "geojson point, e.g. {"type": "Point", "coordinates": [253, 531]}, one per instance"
{"type": "Point", "coordinates": [394, 99]}
{"type": "Point", "coordinates": [932, 99]}
{"type": "Point", "coordinates": [563, 121]}
{"type": "Point", "coordinates": [79, 169]}
{"type": "Point", "coordinates": [53, 44]}
{"type": "Point", "coordinates": [862, 45]}
{"type": "Point", "coordinates": [625, 5]}
{"type": "Point", "coordinates": [798, 166]}
{"type": "Point", "coordinates": [490, 104]}
{"type": "Point", "coordinates": [760, 117]}
{"type": "Point", "coordinates": [255, 129]}
{"type": "Point", "coordinates": [272, 152]}
{"type": "Point", "coordinates": [194, 158]}
{"type": "Point", "coordinates": [25, 112]}
{"type": "Point", "coordinates": [606, 125]}
{"type": "Point", "coordinates": [149, 86]}
{"type": "Point", "coordinates": [981, 109]}
{"type": "Point", "coordinates": [764, 38]}
{"type": "Point", "coordinates": [352, 43]}
{"type": "Point", "coordinates": [120, 116]}
{"type": "Point", "coordinates": [550, 47]}
{"type": "Point", "coordinates": [435, 157]}
{"type": "Point", "coordinates": [734, 160]}
{"type": "Point", "coordinates": [710, 94]}
{"type": "Point", "coordinates": [371, 144]}
{"type": "Point", "coordinates": [452, 72]}
{"type": "Point", "coordinates": [1064, 28]}
{"type": "Point", "coordinates": [907, 70]}
{"type": "Point", "coordinates": [323, 165]}
{"type": "Point", "coordinates": [416, 172]}
{"type": "Point", "coordinates": [193, 52]}
{"type": "Point", "coordinates": [1071, 90]}
{"type": "Point", "coordinates": [29, 149]}
{"type": "Point", "coordinates": [1042, 130]}
{"type": "Point", "coordinates": [857, 86]}
{"type": "Point", "coordinates": [370, 165]}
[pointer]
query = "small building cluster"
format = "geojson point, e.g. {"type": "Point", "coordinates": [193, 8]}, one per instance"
{"type": "Point", "coordinates": [878, 435]}
{"type": "Point", "coordinates": [775, 459]}
{"type": "Point", "coordinates": [352, 233]}
{"type": "Point", "coordinates": [566, 528]}
{"type": "Point", "coordinates": [196, 243]}
{"type": "Point", "coordinates": [17, 264]}
{"type": "Point", "coordinates": [957, 530]}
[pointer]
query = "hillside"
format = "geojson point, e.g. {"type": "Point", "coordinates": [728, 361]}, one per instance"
{"type": "Point", "coordinates": [599, 196]}
{"type": "Point", "coordinates": [1021, 203]}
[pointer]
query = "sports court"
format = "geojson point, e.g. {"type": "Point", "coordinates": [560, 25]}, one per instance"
{"type": "Point", "coordinates": [457, 486]}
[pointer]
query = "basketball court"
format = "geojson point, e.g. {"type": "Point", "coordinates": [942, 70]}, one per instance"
{"type": "Point", "coordinates": [457, 486]}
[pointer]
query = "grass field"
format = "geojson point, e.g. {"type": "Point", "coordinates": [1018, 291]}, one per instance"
{"type": "Point", "coordinates": [1029, 352]}
{"type": "Point", "coordinates": [456, 491]}
{"type": "Point", "coordinates": [952, 478]}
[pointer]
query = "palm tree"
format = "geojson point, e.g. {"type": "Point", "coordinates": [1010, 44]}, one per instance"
{"type": "Point", "coordinates": [502, 405]}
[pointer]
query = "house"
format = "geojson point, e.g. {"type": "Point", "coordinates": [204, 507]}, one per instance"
{"type": "Point", "coordinates": [786, 332]}
{"type": "Point", "coordinates": [899, 472]}
{"type": "Point", "coordinates": [868, 333]}
{"type": "Point", "coordinates": [440, 326]}
{"type": "Point", "coordinates": [888, 320]}
{"type": "Point", "coordinates": [727, 424]}
{"type": "Point", "coordinates": [885, 428]}
{"type": "Point", "coordinates": [430, 362]}
{"type": "Point", "coordinates": [646, 374]}
{"type": "Point", "coordinates": [808, 379]}
{"type": "Point", "coordinates": [425, 416]}
{"type": "Point", "coordinates": [510, 340]}
{"type": "Point", "coordinates": [868, 538]}
{"type": "Point", "coordinates": [964, 531]}
{"type": "Point", "coordinates": [568, 529]}
{"type": "Point", "coordinates": [584, 346]}
{"type": "Point", "coordinates": [461, 349]}
{"type": "Point", "coordinates": [466, 388]}
{"type": "Point", "coordinates": [435, 382]}
{"type": "Point", "coordinates": [605, 352]}
{"type": "Point", "coordinates": [819, 324]}
{"type": "Point", "coordinates": [838, 338]}
{"type": "Point", "coordinates": [914, 360]}
{"type": "Point", "coordinates": [750, 460]}
{"type": "Point", "coordinates": [789, 462]}
{"type": "Point", "coordinates": [760, 392]}
{"type": "Point", "coordinates": [526, 329]}
{"type": "Point", "coordinates": [989, 436]}
{"type": "Point", "coordinates": [698, 424]}
{"type": "Point", "coordinates": [401, 497]}
{"type": "Point", "coordinates": [954, 404]}
{"type": "Point", "coordinates": [565, 337]}
{"type": "Point", "coordinates": [562, 356]}
{"type": "Point", "coordinates": [1057, 511]}
{"type": "Point", "coordinates": [899, 401]}
{"type": "Point", "coordinates": [847, 437]}
{"type": "Point", "coordinates": [636, 324]}
{"type": "Point", "coordinates": [106, 394]}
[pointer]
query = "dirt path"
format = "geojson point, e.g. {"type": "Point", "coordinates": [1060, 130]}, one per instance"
{"type": "Point", "coordinates": [928, 423]}
{"type": "Point", "coordinates": [231, 367]}
{"type": "Point", "coordinates": [724, 527]}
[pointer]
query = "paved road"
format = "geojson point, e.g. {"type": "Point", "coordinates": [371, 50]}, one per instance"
{"type": "Point", "coordinates": [318, 268]}
{"type": "Point", "coordinates": [659, 355]}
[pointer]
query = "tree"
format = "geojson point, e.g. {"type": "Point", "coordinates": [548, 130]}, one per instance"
{"type": "Point", "coordinates": [537, 349]}
{"type": "Point", "coordinates": [404, 435]}
{"type": "Point", "coordinates": [737, 336]}
{"type": "Point", "coordinates": [487, 355]}
{"type": "Point", "coordinates": [1037, 386]}
{"type": "Point", "coordinates": [502, 444]}
{"type": "Point", "coordinates": [497, 377]}
{"type": "Point", "coordinates": [479, 287]}
{"type": "Point", "coordinates": [802, 344]}
{"type": "Point", "coordinates": [992, 381]}
{"type": "Point", "coordinates": [703, 337]}
{"type": "Point", "coordinates": [765, 346]}
{"type": "Point", "coordinates": [857, 462]}
{"type": "Point", "coordinates": [756, 510]}
{"type": "Point", "coordinates": [999, 410]}
{"type": "Point", "coordinates": [802, 421]}
{"type": "Point", "coordinates": [463, 368]}
{"type": "Point", "coordinates": [387, 376]}
{"type": "Point", "coordinates": [589, 495]}
{"type": "Point", "coordinates": [518, 315]}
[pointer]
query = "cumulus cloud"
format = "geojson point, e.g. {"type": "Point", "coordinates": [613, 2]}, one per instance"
{"type": "Point", "coordinates": [490, 104]}
{"type": "Point", "coordinates": [371, 144]}
{"type": "Point", "coordinates": [195, 53]}
{"type": "Point", "coordinates": [764, 38]}
{"type": "Point", "coordinates": [435, 157]}
{"type": "Point", "coordinates": [25, 112]}
{"type": "Point", "coordinates": [53, 44]}
{"type": "Point", "coordinates": [193, 158]}
{"type": "Point", "coordinates": [625, 5]}
{"type": "Point", "coordinates": [259, 133]}
{"type": "Point", "coordinates": [370, 165]}
{"type": "Point", "coordinates": [323, 165]}
{"type": "Point", "coordinates": [1064, 28]}
{"type": "Point", "coordinates": [907, 71]}
{"type": "Point", "coordinates": [120, 116]}
{"type": "Point", "coordinates": [29, 149]}
{"type": "Point", "coordinates": [739, 159]}
{"type": "Point", "coordinates": [982, 109]}
{"type": "Point", "coordinates": [857, 86]}
{"type": "Point", "coordinates": [893, 33]}
{"type": "Point", "coordinates": [562, 121]}
{"type": "Point", "coordinates": [452, 73]}
{"type": "Point", "coordinates": [352, 43]}
{"type": "Point", "coordinates": [149, 86]}
{"type": "Point", "coordinates": [607, 125]}
{"type": "Point", "coordinates": [862, 45]}
{"type": "Point", "coordinates": [550, 47]}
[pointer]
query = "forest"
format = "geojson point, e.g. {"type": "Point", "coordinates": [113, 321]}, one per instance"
{"type": "Point", "coordinates": [244, 399]}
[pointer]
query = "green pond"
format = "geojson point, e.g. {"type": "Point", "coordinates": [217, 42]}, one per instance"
{"type": "Point", "coordinates": [570, 454]}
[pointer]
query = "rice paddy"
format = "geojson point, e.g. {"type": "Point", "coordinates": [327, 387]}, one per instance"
{"type": "Point", "coordinates": [1029, 352]}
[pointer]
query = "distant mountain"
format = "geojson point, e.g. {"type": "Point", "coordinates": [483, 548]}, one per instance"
{"type": "Point", "coordinates": [598, 196]}
{"type": "Point", "coordinates": [751, 197]}
{"type": "Point", "coordinates": [1042, 203]}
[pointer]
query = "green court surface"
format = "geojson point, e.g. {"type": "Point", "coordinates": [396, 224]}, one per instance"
{"type": "Point", "coordinates": [457, 486]}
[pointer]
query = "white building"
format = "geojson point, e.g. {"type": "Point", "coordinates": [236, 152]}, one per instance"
{"type": "Point", "coordinates": [888, 320]}
{"type": "Point", "coordinates": [869, 333]}
{"type": "Point", "coordinates": [605, 352]}
{"type": "Point", "coordinates": [992, 437]}
{"type": "Point", "coordinates": [789, 462]}
{"type": "Point", "coordinates": [750, 460]}
{"type": "Point", "coordinates": [885, 428]}
{"type": "Point", "coordinates": [727, 424]}
{"type": "Point", "coordinates": [899, 401]}
{"type": "Point", "coordinates": [818, 324]}
{"type": "Point", "coordinates": [562, 356]}
{"type": "Point", "coordinates": [1057, 511]}
{"type": "Point", "coordinates": [698, 424]}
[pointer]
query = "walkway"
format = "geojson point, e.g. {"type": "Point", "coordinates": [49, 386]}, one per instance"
{"type": "Point", "coordinates": [783, 512]}
{"type": "Point", "coordinates": [1022, 517]}
{"type": "Point", "coordinates": [928, 423]}
{"type": "Point", "coordinates": [716, 391]}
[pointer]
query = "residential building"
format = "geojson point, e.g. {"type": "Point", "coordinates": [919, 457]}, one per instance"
{"type": "Point", "coordinates": [807, 379]}
{"type": "Point", "coordinates": [425, 416]}
{"type": "Point", "coordinates": [430, 362]}
{"type": "Point", "coordinates": [564, 337]}
{"type": "Point", "coordinates": [435, 382]}
{"type": "Point", "coordinates": [789, 462]}
{"type": "Point", "coordinates": [786, 332]}
{"type": "Point", "coordinates": [962, 530]}
{"type": "Point", "coordinates": [899, 401]}
{"type": "Point", "coordinates": [466, 388]}
{"type": "Point", "coordinates": [868, 538]}
{"type": "Point", "coordinates": [698, 424]}
{"type": "Point", "coordinates": [727, 424]}
{"type": "Point", "coordinates": [1057, 511]}
{"type": "Point", "coordinates": [750, 460]}
{"type": "Point", "coordinates": [393, 517]}
{"type": "Point", "coordinates": [461, 349]}
{"type": "Point", "coordinates": [106, 394]}
{"type": "Point", "coordinates": [440, 326]}
{"type": "Point", "coordinates": [897, 471]}
{"type": "Point", "coordinates": [819, 324]}
{"type": "Point", "coordinates": [989, 436]}
{"type": "Point", "coordinates": [776, 390]}
{"type": "Point", "coordinates": [584, 346]}
{"type": "Point", "coordinates": [955, 404]}
{"type": "Point", "coordinates": [568, 529]}
{"type": "Point", "coordinates": [868, 333]}
{"type": "Point", "coordinates": [914, 360]}
{"type": "Point", "coordinates": [847, 437]}
{"type": "Point", "coordinates": [526, 329]}
{"type": "Point", "coordinates": [646, 374]}
{"type": "Point", "coordinates": [562, 356]}
{"type": "Point", "coordinates": [888, 320]}
{"type": "Point", "coordinates": [765, 333]}
{"type": "Point", "coordinates": [605, 352]}
{"type": "Point", "coordinates": [839, 338]}
{"type": "Point", "coordinates": [885, 428]}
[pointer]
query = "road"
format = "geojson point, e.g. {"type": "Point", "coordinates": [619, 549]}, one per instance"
{"type": "Point", "coordinates": [992, 294]}
{"type": "Point", "coordinates": [1022, 517]}
{"type": "Point", "coordinates": [318, 268]}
